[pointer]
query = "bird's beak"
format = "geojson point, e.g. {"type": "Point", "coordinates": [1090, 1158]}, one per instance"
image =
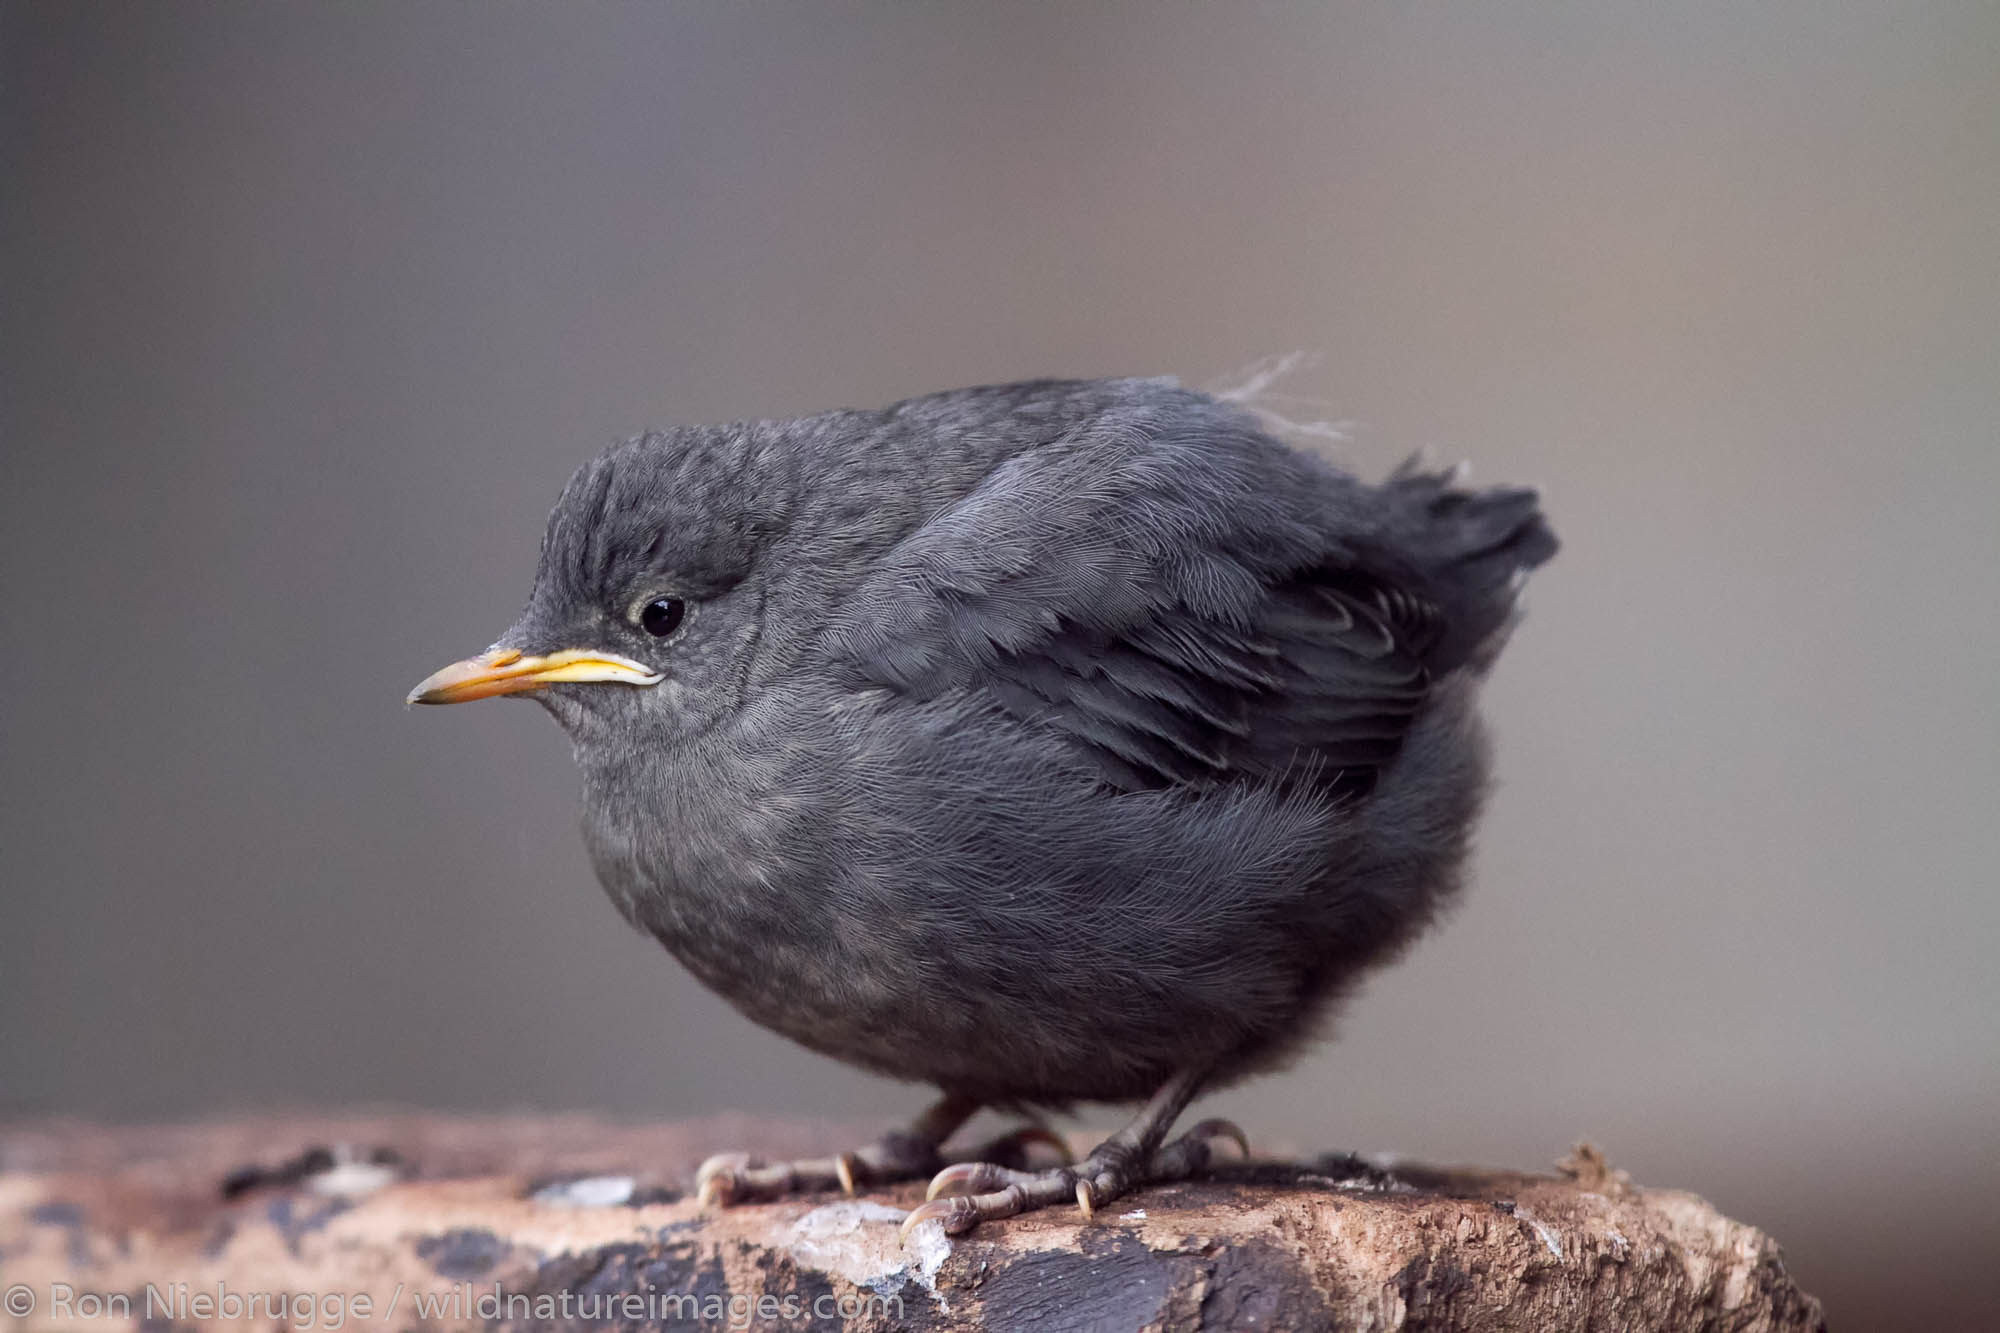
{"type": "Point", "coordinates": [510, 671]}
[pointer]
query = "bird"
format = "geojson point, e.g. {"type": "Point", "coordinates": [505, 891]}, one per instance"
{"type": "Point", "coordinates": [1045, 743]}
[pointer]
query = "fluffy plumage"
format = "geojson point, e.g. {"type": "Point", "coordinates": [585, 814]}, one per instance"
{"type": "Point", "coordinates": [1036, 741]}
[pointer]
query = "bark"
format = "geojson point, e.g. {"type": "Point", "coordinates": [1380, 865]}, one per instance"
{"type": "Point", "coordinates": [576, 1223]}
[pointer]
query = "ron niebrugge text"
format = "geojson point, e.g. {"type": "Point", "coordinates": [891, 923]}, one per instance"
{"type": "Point", "coordinates": [179, 1301]}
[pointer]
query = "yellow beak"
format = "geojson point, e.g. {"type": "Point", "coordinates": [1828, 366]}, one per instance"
{"type": "Point", "coordinates": [509, 671]}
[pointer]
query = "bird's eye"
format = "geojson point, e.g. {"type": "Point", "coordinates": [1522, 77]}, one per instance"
{"type": "Point", "coordinates": [662, 616]}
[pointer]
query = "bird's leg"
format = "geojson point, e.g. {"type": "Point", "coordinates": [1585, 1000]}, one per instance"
{"type": "Point", "coordinates": [964, 1195]}
{"type": "Point", "coordinates": [901, 1154]}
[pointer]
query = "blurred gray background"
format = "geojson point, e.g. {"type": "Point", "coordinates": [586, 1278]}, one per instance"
{"type": "Point", "coordinates": [309, 311]}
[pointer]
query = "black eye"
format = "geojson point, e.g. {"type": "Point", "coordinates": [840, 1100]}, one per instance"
{"type": "Point", "coordinates": [662, 616]}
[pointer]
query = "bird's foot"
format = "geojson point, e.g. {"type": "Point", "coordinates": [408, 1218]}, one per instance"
{"type": "Point", "coordinates": [904, 1154]}
{"type": "Point", "coordinates": [968, 1193]}
{"type": "Point", "coordinates": [734, 1177]}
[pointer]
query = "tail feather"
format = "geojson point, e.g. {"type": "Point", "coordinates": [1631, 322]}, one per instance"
{"type": "Point", "coordinates": [1473, 548]}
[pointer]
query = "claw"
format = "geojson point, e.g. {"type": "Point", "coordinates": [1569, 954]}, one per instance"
{"type": "Point", "coordinates": [1223, 1129]}
{"type": "Point", "coordinates": [717, 1178]}
{"type": "Point", "coordinates": [955, 1214]}
{"type": "Point", "coordinates": [1027, 1134]}
{"type": "Point", "coordinates": [963, 1178]}
{"type": "Point", "coordinates": [843, 1166]}
{"type": "Point", "coordinates": [1043, 1134]}
{"type": "Point", "coordinates": [1083, 1203]}
{"type": "Point", "coordinates": [723, 1161]}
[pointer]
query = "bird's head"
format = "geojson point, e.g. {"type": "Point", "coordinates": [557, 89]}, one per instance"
{"type": "Point", "coordinates": [649, 596]}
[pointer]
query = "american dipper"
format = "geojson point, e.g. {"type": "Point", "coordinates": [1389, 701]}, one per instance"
{"type": "Point", "coordinates": [1044, 742]}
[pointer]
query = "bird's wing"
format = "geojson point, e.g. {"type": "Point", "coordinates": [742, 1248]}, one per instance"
{"type": "Point", "coordinates": [1180, 619]}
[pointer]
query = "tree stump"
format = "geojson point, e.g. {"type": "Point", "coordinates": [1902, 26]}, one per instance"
{"type": "Point", "coordinates": [405, 1221]}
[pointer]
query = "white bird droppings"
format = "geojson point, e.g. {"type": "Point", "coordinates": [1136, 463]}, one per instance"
{"type": "Point", "coordinates": [863, 1242]}
{"type": "Point", "coordinates": [590, 1192]}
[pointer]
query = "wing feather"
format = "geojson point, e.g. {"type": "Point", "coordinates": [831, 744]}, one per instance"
{"type": "Point", "coordinates": [1177, 620]}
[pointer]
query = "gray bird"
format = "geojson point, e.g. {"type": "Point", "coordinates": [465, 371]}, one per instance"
{"type": "Point", "coordinates": [1045, 743]}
